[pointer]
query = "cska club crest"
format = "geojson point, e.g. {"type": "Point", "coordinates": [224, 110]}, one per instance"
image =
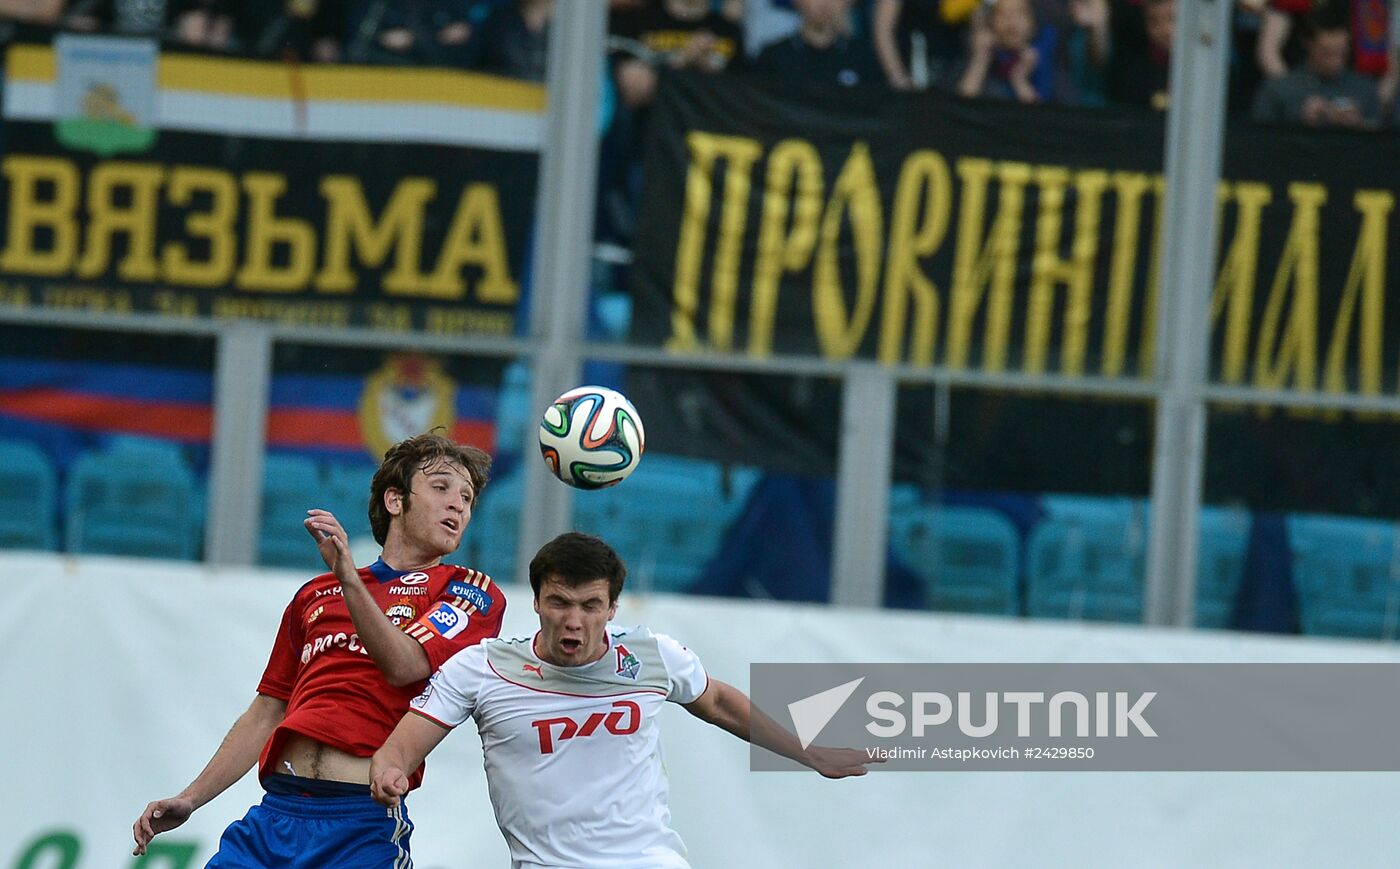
{"type": "Point", "coordinates": [627, 664]}
{"type": "Point", "coordinates": [408, 395]}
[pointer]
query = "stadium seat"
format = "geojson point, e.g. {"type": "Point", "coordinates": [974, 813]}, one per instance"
{"type": "Point", "coordinates": [155, 450]}
{"type": "Point", "coordinates": [1086, 561]}
{"type": "Point", "coordinates": [1079, 508]}
{"type": "Point", "coordinates": [1107, 539]}
{"type": "Point", "coordinates": [1347, 575]}
{"type": "Point", "coordinates": [28, 497]}
{"type": "Point", "coordinates": [513, 409]}
{"type": "Point", "coordinates": [665, 520]}
{"type": "Point", "coordinates": [966, 556]}
{"type": "Point", "coordinates": [1223, 541]}
{"type": "Point", "coordinates": [291, 486]}
{"type": "Point", "coordinates": [739, 483]}
{"type": "Point", "coordinates": [489, 544]}
{"type": "Point", "coordinates": [132, 502]}
{"type": "Point", "coordinates": [905, 496]}
{"type": "Point", "coordinates": [347, 496]}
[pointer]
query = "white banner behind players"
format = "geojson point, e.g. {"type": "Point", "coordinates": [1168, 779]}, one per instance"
{"type": "Point", "coordinates": [127, 687]}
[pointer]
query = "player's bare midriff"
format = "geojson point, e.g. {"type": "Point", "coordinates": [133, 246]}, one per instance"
{"type": "Point", "coordinates": [311, 759]}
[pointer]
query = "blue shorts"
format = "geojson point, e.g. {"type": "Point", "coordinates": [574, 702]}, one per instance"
{"type": "Point", "coordinates": [297, 832]}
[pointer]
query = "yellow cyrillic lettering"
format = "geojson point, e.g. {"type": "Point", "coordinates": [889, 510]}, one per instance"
{"type": "Point", "coordinates": [1366, 278]}
{"type": "Point", "coordinates": [1296, 349]}
{"type": "Point", "coordinates": [855, 193]}
{"type": "Point", "coordinates": [477, 237]}
{"type": "Point", "coordinates": [27, 213]}
{"type": "Point", "coordinates": [266, 230]}
{"type": "Point", "coordinates": [980, 266]}
{"type": "Point", "coordinates": [1235, 283]}
{"type": "Point", "coordinates": [137, 220]}
{"type": "Point", "coordinates": [924, 181]}
{"type": "Point", "coordinates": [793, 162]}
{"type": "Point", "coordinates": [1076, 273]}
{"type": "Point", "coordinates": [349, 225]}
{"type": "Point", "coordinates": [705, 149]}
{"type": "Point", "coordinates": [217, 225]}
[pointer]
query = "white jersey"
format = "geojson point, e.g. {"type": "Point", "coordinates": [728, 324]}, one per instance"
{"type": "Point", "coordinates": [573, 754]}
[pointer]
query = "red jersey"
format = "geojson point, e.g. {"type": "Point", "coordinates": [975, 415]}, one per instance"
{"type": "Point", "coordinates": [334, 692]}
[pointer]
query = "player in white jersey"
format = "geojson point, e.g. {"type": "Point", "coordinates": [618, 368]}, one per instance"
{"type": "Point", "coordinates": [568, 722]}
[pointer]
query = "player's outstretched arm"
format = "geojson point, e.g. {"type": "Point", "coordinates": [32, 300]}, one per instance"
{"type": "Point", "coordinates": [728, 708]}
{"type": "Point", "coordinates": [404, 751]}
{"type": "Point", "coordinates": [235, 756]}
{"type": "Point", "coordinates": [397, 655]}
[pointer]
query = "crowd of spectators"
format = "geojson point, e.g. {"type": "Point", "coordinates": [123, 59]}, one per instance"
{"type": "Point", "coordinates": [1310, 62]}
{"type": "Point", "coordinates": [505, 37]}
{"type": "Point", "coordinates": [1314, 62]}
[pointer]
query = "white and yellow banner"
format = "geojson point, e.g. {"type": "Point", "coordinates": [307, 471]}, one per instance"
{"type": "Point", "coordinates": [233, 96]}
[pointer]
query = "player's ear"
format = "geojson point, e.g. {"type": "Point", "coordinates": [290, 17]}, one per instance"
{"type": "Point", "coordinates": [612, 610]}
{"type": "Point", "coordinates": [536, 604]}
{"type": "Point", "coordinates": [393, 501]}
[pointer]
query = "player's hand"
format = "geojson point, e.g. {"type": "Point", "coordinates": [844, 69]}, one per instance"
{"type": "Point", "coordinates": [839, 762]}
{"type": "Point", "coordinates": [388, 786]}
{"type": "Point", "coordinates": [158, 817]}
{"type": "Point", "coordinates": [331, 540]}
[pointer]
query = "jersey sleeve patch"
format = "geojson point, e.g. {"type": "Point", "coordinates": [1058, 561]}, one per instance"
{"type": "Point", "coordinates": [471, 595]}
{"type": "Point", "coordinates": [443, 620]}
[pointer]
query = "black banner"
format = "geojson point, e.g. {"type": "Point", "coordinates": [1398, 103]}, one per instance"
{"type": "Point", "coordinates": [919, 229]}
{"type": "Point", "coordinates": [321, 234]}
{"type": "Point", "coordinates": [924, 230]}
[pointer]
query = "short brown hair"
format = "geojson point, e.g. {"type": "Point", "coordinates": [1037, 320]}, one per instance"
{"type": "Point", "coordinates": [574, 559]}
{"type": "Point", "coordinates": [408, 457]}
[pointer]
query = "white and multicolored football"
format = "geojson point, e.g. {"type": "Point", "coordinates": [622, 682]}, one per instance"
{"type": "Point", "coordinates": [592, 437]}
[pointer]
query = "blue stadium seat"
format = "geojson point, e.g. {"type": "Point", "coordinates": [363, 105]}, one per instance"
{"type": "Point", "coordinates": [489, 544]}
{"type": "Point", "coordinates": [134, 502]}
{"type": "Point", "coordinates": [966, 556]}
{"type": "Point", "coordinates": [291, 486]}
{"type": "Point", "coordinates": [1079, 508]}
{"type": "Point", "coordinates": [1223, 541]}
{"type": "Point", "coordinates": [741, 480]}
{"type": "Point", "coordinates": [1087, 561]}
{"type": "Point", "coordinates": [347, 496]}
{"type": "Point", "coordinates": [155, 450]}
{"type": "Point", "coordinates": [665, 520]}
{"type": "Point", "coordinates": [513, 410]}
{"type": "Point", "coordinates": [1347, 575]}
{"type": "Point", "coordinates": [904, 496]}
{"type": "Point", "coordinates": [28, 497]}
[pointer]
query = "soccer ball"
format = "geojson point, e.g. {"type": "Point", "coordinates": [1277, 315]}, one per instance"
{"type": "Point", "coordinates": [591, 437]}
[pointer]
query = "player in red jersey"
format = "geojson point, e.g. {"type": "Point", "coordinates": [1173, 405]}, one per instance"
{"type": "Point", "coordinates": [353, 648]}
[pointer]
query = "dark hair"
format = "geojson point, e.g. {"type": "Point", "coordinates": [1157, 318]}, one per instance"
{"type": "Point", "coordinates": [408, 457]}
{"type": "Point", "coordinates": [1324, 20]}
{"type": "Point", "coordinates": [575, 559]}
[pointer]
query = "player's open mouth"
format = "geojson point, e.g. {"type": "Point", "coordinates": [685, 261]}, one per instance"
{"type": "Point", "coordinates": [570, 646]}
{"type": "Point", "coordinates": [450, 525]}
